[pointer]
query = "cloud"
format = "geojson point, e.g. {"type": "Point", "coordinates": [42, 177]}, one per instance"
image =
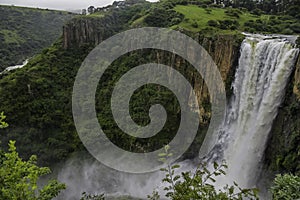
{"type": "Point", "coordinates": [58, 4]}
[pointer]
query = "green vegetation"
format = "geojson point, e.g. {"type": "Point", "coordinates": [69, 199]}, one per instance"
{"type": "Point", "coordinates": [41, 120]}
{"type": "Point", "coordinates": [86, 196]}
{"type": "Point", "coordinates": [286, 187]}
{"type": "Point", "coordinates": [39, 108]}
{"type": "Point", "coordinates": [3, 124]}
{"type": "Point", "coordinates": [220, 19]}
{"type": "Point", "coordinates": [283, 151]}
{"type": "Point", "coordinates": [37, 98]}
{"type": "Point", "coordinates": [18, 178]}
{"type": "Point", "coordinates": [26, 31]}
{"type": "Point", "coordinates": [199, 184]}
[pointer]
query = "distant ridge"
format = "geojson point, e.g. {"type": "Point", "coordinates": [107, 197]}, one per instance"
{"type": "Point", "coordinates": [26, 31]}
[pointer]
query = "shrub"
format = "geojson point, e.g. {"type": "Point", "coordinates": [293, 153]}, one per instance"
{"type": "Point", "coordinates": [195, 24]}
{"type": "Point", "coordinates": [86, 196]}
{"type": "Point", "coordinates": [159, 17]}
{"type": "Point", "coordinates": [215, 6]}
{"type": "Point", "coordinates": [208, 11]}
{"type": "Point", "coordinates": [176, 20]}
{"type": "Point", "coordinates": [228, 24]}
{"type": "Point", "coordinates": [213, 23]}
{"type": "Point", "coordinates": [295, 27]}
{"type": "Point", "coordinates": [286, 187]}
{"type": "Point", "coordinates": [233, 13]}
{"type": "Point", "coordinates": [285, 17]}
{"type": "Point", "coordinates": [257, 12]}
{"type": "Point", "coordinates": [198, 184]}
{"type": "Point", "coordinates": [287, 31]}
{"type": "Point", "coordinates": [19, 178]}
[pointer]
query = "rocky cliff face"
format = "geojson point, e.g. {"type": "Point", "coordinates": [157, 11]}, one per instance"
{"type": "Point", "coordinates": [282, 153]}
{"type": "Point", "coordinates": [224, 50]}
{"type": "Point", "coordinates": [88, 30]}
{"type": "Point", "coordinates": [296, 82]}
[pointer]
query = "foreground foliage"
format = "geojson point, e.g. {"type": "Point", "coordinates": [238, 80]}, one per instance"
{"type": "Point", "coordinates": [200, 184]}
{"type": "Point", "coordinates": [286, 187]}
{"type": "Point", "coordinates": [18, 178]}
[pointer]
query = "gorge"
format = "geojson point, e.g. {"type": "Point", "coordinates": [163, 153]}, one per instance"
{"type": "Point", "coordinates": [259, 136]}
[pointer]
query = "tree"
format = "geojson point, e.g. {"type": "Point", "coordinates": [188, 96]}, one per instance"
{"type": "Point", "coordinates": [199, 184]}
{"type": "Point", "coordinates": [91, 9]}
{"type": "Point", "coordinates": [18, 178]}
{"type": "Point", "coordinates": [286, 187]}
{"type": "Point", "coordinates": [3, 124]}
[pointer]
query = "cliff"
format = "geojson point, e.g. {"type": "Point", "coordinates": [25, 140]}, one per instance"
{"type": "Point", "coordinates": [224, 49]}
{"type": "Point", "coordinates": [89, 30]}
{"type": "Point", "coordinates": [282, 153]}
{"type": "Point", "coordinates": [296, 80]}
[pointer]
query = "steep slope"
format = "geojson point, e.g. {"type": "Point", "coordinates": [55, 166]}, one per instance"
{"type": "Point", "coordinates": [282, 154]}
{"type": "Point", "coordinates": [26, 31]}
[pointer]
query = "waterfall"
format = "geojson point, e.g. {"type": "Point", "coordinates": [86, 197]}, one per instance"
{"type": "Point", "coordinates": [265, 65]}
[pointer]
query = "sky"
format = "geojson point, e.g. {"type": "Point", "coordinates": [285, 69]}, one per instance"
{"type": "Point", "coordinates": [59, 4]}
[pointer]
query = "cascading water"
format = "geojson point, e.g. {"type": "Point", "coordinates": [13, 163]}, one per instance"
{"type": "Point", "coordinates": [265, 65]}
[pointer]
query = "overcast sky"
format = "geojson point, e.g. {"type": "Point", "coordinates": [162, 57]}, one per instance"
{"type": "Point", "coordinates": [59, 4]}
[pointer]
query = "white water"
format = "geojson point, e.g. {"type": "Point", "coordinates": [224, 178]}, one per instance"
{"type": "Point", "coordinates": [265, 65]}
{"type": "Point", "coordinates": [14, 67]}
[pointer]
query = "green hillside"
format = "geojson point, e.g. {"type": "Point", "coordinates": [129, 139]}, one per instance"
{"type": "Point", "coordinates": [215, 19]}
{"type": "Point", "coordinates": [198, 18]}
{"type": "Point", "coordinates": [26, 31]}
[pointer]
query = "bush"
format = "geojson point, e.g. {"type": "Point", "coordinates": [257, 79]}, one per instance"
{"type": "Point", "coordinates": [3, 124]}
{"type": "Point", "coordinates": [19, 178]}
{"type": "Point", "coordinates": [194, 25]}
{"type": "Point", "coordinates": [208, 11]}
{"type": "Point", "coordinates": [229, 24]}
{"type": "Point", "coordinates": [257, 12]}
{"type": "Point", "coordinates": [176, 20]}
{"type": "Point", "coordinates": [213, 23]}
{"type": "Point", "coordinates": [250, 30]}
{"type": "Point", "coordinates": [198, 184]}
{"type": "Point", "coordinates": [233, 13]}
{"type": "Point", "coordinates": [286, 187]}
{"type": "Point", "coordinates": [287, 31]}
{"type": "Point", "coordinates": [295, 27]}
{"type": "Point", "coordinates": [285, 17]}
{"type": "Point", "coordinates": [86, 196]}
{"type": "Point", "coordinates": [159, 17]}
{"type": "Point", "coordinates": [215, 6]}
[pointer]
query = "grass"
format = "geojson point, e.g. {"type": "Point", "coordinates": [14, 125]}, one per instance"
{"type": "Point", "coordinates": [200, 15]}
{"type": "Point", "coordinates": [138, 22]}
